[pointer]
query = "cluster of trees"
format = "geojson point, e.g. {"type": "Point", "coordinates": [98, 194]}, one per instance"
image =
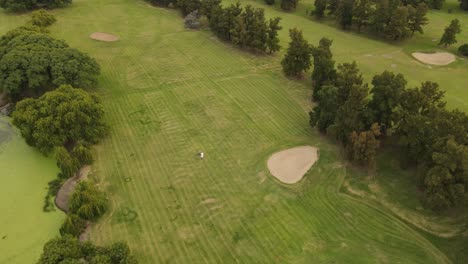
{"type": "Point", "coordinates": [464, 4]}
{"type": "Point", "coordinates": [24, 5]}
{"type": "Point", "coordinates": [358, 115]}
{"type": "Point", "coordinates": [245, 27]}
{"type": "Point", "coordinates": [33, 62]}
{"type": "Point", "coordinates": [87, 204]}
{"type": "Point", "coordinates": [67, 249]}
{"type": "Point", "coordinates": [391, 19]}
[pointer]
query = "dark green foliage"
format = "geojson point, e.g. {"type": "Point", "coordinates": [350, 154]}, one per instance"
{"type": "Point", "coordinates": [162, 2]}
{"type": "Point", "coordinates": [344, 13]}
{"type": "Point", "coordinates": [73, 225]}
{"type": "Point", "coordinates": [449, 36]}
{"type": "Point", "coordinates": [270, 2]}
{"type": "Point", "coordinates": [417, 18]}
{"type": "Point", "coordinates": [346, 77]}
{"type": "Point", "coordinates": [88, 202]}
{"type": "Point", "coordinates": [188, 6]}
{"type": "Point", "coordinates": [289, 5]}
{"type": "Point", "coordinates": [207, 6]}
{"type": "Point", "coordinates": [324, 112]}
{"type": "Point", "coordinates": [363, 146]}
{"type": "Point", "coordinates": [397, 26]}
{"type": "Point", "coordinates": [464, 4]}
{"type": "Point", "coordinates": [324, 65]}
{"type": "Point", "coordinates": [246, 27]}
{"type": "Point", "coordinates": [463, 49]}
{"type": "Point", "coordinates": [320, 7]}
{"type": "Point", "coordinates": [61, 118]}
{"type": "Point", "coordinates": [42, 18]}
{"type": "Point", "coordinates": [332, 6]}
{"type": "Point", "coordinates": [386, 92]}
{"type": "Point", "coordinates": [67, 249]}
{"type": "Point", "coordinates": [297, 58]}
{"type": "Point", "coordinates": [24, 5]}
{"type": "Point", "coordinates": [67, 164]}
{"type": "Point", "coordinates": [52, 189]}
{"type": "Point", "coordinates": [362, 11]}
{"type": "Point", "coordinates": [33, 62]}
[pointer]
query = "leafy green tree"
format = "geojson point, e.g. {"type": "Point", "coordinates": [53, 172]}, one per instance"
{"type": "Point", "coordinates": [73, 225]}
{"type": "Point", "coordinates": [362, 11]}
{"type": "Point", "coordinates": [386, 93]}
{"type": "Point", "coordinates": [417, 18]}
{"type": "Point", "coordinates": [363, 146]}
{"type": "Point", "coordinates": [332, 6]}
{"type": "Point", "coordinates": [463, 49]}
{"type": "Point", "coordinates": [119, 252]}
{"type": "Point", "coordinates": [449, 36]}
{"type": "Point", "coordinates": [347, 76]}
{"type": "Point", "coordinates": [24, 5]}
{"type": "Point", "coordinates": [381, 16]}
{"type": "Point", "coordinates": [344, 13]}
{"type": "Point", "coordinates": [324, 113]}
{"type": "Point", "coordinates": [289, 5]}
{"type": "Point", "coordinates": [351, 116]}
{"type": "Point", "coordinates": [272, 41]}
{"type": "Point", "coordinates": [42, 18]}
{"type": "Point", "coordinates": [59, 249]}
{"type": "Point", "coordinates": [188, 6]}
{"type": "Point", "coordinates": [320, 7]}
{"type": "Point", "coordinates": [208, 5]}
{"type": "Point", "coordinates": [67, 163]}
{"type": "Point", "coordinates": [436, 4]}
{"type": "Point", "coordinates": [270, 2]}
{"type": "Point", "coordinates": [62, 117]}
{"type": "Point", "coordinates": [33, 63]}
{"type": "Point", "coordinates": [88, 202]}
{"type": "Point", "coordinates": [397, 27]}
{"type": "Point", "coordinates": [297, 58]}
{"type": "Point", "coordinates": [324, 66]}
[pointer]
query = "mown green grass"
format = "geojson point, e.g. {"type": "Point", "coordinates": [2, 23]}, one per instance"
{"type": "Point", "coordinates": [170, 93]}
{"type": "Point", "coordinates": [24, 227]}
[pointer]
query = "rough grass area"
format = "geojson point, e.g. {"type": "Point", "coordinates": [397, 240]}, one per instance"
{"type": "Point", "coordinates": [24, 173]}
{"type": "Point", "coordinates": [171, 93]}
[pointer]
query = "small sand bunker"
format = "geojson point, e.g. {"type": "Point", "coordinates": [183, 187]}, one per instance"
{"type": "Point", "coordinates": [104, 37]}
{"type": "Point", "coordinates": [290, 165]}
{"type": "Point", "coordinates": [438, 58]}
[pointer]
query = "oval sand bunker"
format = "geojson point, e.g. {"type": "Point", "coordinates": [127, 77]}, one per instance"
{"type": "Point", "coordinates": [290, 165]}
{"type": "Point", "coordinates": [438, 58]}
{"type": "Point", "coordinates": [101, 36]}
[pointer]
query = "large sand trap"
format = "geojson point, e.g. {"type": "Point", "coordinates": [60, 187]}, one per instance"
{"type": "Point", "coordinates": [290, 165]}
{"type": "Point", "coordinates": [438, 58]}
{"type": "Point", "coordinates": [104, 37]}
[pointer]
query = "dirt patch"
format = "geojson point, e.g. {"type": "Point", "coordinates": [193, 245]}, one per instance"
{"type": "Point", "coordinates": [290, 165]}
{"type": "Point", "coordinates": [63, 195]}
{"type": "Point", "coordinates": [437, 58]}
{"type": "Point", "coordinates": [106, 37]}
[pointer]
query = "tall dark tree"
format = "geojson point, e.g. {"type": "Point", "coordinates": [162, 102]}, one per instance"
{"type": "Point", "coordinates": [289, 5]}
{"type": "Point", "coordinates": [272, 41]}
{"type": "Point", "coordinates": [450, 34]}
{"type": "Point", "coordinates": [297, 58]}
{"type": "Point", "coordinates": [363, 146]}
{"type": "Point", "coordinates": [324, 113]}
{"type": "Point", "coordinates": [332, 6]}
{"type": "Point", "coordinates": [24, 5]}
{"type": "Point", "coordinates": [417, 18]}
{"type": "Point", "coordinates": [344, 13]}
{"type": "Point", "coordinates": [464, 4]}
{"type": "Point", "coordinates": [386, 92]}
{"type": "Point", "coordinates": [324, 65]}
{"type": "Point", "coordinates": [362, 11]}
{"type": "Point", "coordinates": [188, 6]}
{"type": "Point", "coordinates": [347, 76]}
{"type": "Point", "coordinates": [397, 27]}
{"type": "Point", "coordinates": [320, 7]}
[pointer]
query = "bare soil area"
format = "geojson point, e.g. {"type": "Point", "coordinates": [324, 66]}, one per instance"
{"type": "Point", "coordinates": [106, 37]}
{"type": "Point", "coordinates": [290, 165]}
{"type": "Point", "coordinates": [438, 58]}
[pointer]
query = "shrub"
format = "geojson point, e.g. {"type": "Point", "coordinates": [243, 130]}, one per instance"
{"type": "Point", "coordinates": [73, 225]}
{"type": "Point", "coordinates": [42, 18]}
{"type": "Point", "coordinates": [463, 49]}
{"type": "Point", "coordinates": [88, 202]}
{"type": "Point", "coordinates": [270, 2]}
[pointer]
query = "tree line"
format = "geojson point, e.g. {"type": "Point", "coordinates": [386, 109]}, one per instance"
{"type": "Point", "coordinates": [358, 115]}
{"type": "Point", "coordinates": [25, 5]}
{"type": "Point", "coordinates": [245, 27]}
{"type": "Point", "coordinates": [38, 74]}
{"type": "Point", "coordinates": [390, 19]}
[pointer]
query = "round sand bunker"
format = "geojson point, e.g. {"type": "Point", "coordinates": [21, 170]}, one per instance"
{"type": "Point", "coordinates": [290, 165]}
{"type": "Point", "coordinates": [104, 37]}
{"type": "Point", "coordinates": [438, 58]}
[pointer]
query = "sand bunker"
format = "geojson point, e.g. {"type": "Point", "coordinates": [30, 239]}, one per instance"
{"type": "Point", "coordinates": [290, 165]}
{"type": "Point", "coordinates": [438, 58]}
{"type": "Point", "coordinates": [104, 37]}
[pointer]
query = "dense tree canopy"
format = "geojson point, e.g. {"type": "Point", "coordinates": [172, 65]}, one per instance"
{"type": "Point", "coordinates": [33, 62]}
{"type": "Point", "coordinates": [68, 249]}
{"type": "Point", "coordinates": [289, 5]}
{"type": "Point", "coordinates": [450, 34]}
{"type": "Point", "coordinates": [297, 58]}
{"type": "Point", "coordinates": [464, 4]}
{"type": "Point", "coordinates": [324, 65]}
{"type": "Point", "coordinates": [23, 5]}
{"type": "Point", "coordinates": [62, 117]}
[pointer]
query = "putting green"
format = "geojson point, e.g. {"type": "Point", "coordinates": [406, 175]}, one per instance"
{"type": "Point", "coordinates": [24, 228]}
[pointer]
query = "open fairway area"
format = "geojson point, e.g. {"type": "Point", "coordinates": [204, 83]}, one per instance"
{"type": "Point", "coordinates": [24, 227]}
{"type": "Point", "coordinates": [170, 93]}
